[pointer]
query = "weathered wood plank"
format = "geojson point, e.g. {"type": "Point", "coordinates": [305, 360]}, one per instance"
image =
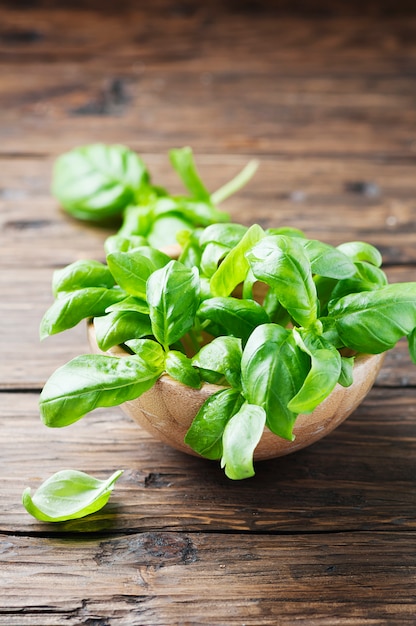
{"type": "Point", "coordinates": [361, 477]}
{"type": "Point", "coordinates": [170, 578]}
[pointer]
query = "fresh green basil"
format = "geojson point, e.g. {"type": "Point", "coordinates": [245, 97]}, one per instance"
{"type": "Point", "coordinates": [374, 321]}
{"type": "Point", "coordinates": [91, 381]}
{"type": "Point", "coordinates": [183, 162]}
{"type": "Point", "coordinates": [80, 275]}
{"type": "Point", "coordinates": [273, 370]}
{"type": "Point", "coordinates": [237, 316]}
{"type": "Point", "coordinates": [241, 436]}
{"type": "Point", "coordinates": [180, 367]}
{"type": "Point", "coordinates": [98, 181]}
{"type": "Point", "coordinates": [119, 326]}
{"type": "Point", "coordinates": [326, 260]}
{"type": "Point", "coordinates": [207, 428]}
{"type": "Point", "coordinates": [222, 355]}
{"type": "Point", "coordinates": [131, 271]}
{"type": "Point", "coordinates": [173, 297]}
{"type": "Point", "coordinates": [67, 495]}
{"type": "Point", "coordinates": [72, 307]}
{"type": "Point", "coordinates": [361, 251]}
{"type": "Point", "coordinates": [282, 263]}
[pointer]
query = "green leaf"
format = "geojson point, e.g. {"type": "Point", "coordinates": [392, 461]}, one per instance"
{"type": "Point", "coordinates": [131, 303]}
{"type": "Point", "coordinates": [234, 268]}
{"type": "Point", "coordinates": [180, 367]}
{"type": "Point", "coordinates": [91, 381]}
{"type": "Point", "coordinates": [228, 235]}
{"type": "Point", "coordinates": [173, 297]}
{"type": "Point", "coordinates": [131, 271]}
{"type": "Point", "coordinates": [411, 340]}
{"type": "Point", "coordinates": [137, 220]}
{"type": "Point", "coordinates": [222, 355]}
{"type": "Point", "coordinates": [346, 377]}
{"type": "Point", "coordinates": [366, 278]}
{"type": "Point", "coordinates": [148, 350]}
{"type": "Point", "coordinates": [165, 228]}
{"type": "Point", "coordinates": [281, 262]}
{"type": "Point", "coordinates": [326, 260]}
{"type": "Point", "coordinates": [241, 436]}
{"type": "Point", "coordinates": [237, 316]}
{"type": "Point", "coordinates": [236, 183]}
{"type": "Point", "coordinates": [80, 275]}
{"type": "Point", "coordinates": [200, 213]}
{"type": "Point", "coordinates": [361, 251]}
{"type": "Point", "coordinates": [323, 375]}
{"type": "Point", "coordinates": [98, 181]}
{"type": "Point", "coordinates": [182, 161]}
{"type": "Point", "coordinates": [373, 321]}
{"type": "Point", "coordinates": [120, 243]}
{"type": "Point", "coordinates": [72, 307]}
{"type": "Point", "coordinates": [211, 256]}
{"type": "Point", "coordinates": [273, 370]}
{"type": "Point", "coordinates": [119, 326]}
{"type": "Point", "coordinates": [206, 431]}
{"type": "Point", "coordinates": [68, 495]}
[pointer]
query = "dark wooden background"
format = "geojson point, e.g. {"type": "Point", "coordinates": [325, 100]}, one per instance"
{"type": "Point", "coordinates": [324, 94]}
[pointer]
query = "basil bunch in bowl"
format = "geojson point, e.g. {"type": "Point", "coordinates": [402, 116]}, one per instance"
{"type": "Point", "coordinates": [249, 344]}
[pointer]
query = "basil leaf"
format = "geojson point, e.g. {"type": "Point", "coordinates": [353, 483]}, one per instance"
{"type": "Point", "coordinates": [211, 256]}
{"type": "Point", "coordinates": [165, 228]}
{"type": "Point", "coordinates": [68, 495]}
{"type": "Point", "coordinates": [183, 163]}
{"type": "Point", "coordinates": [137, 221]}
{"type": "Point", "coordinates": [81, 274]}
{"type": "Point", "coordinates": [281, 262]}
{"type": "Point", "coordinates": [234, 268]}
{"type": "Point", "coordinates": [346, 377]}
{"type": "Point", "coordinates": [286, 230]}
{"type": "Point", "coordinates": [98, 181]}
{"type": "Point", "coordinates": [273, 370]}
{"type": "Point", "coordinates": [119, 326]}
{"type": "Point", "coordinates": [148, 350]}
{"type": "Point", "coordinates": [222, 355]}
{"type": "Point", "coordinates": [173, 298]}
{"type": "Point", "coordinates": [323, 375]}
{"type": "Point", "coordinates": [326, 260]}
{"type": "Point", "coordinates": [411, 341]}
{"type": "Point", "coordinates": [228, 235]}
{"type": "Point", "coordinates": [373, 321]}
{"type": "Point", "coordinates": [180, 367]}
{"type": "Point", "coordinates": [366, 278]}
{"type": "Point", "coordinates": [131, 303]}
{"type": "Point", "coordinates": [361, 251]}
{"type": "Point", "coordinates": [237, 316]}
{"type": "Point", "coordinates": [74, 306]}
{"type": "Point", "coordinates": [119, 243]}
{"type": "Point", "coordinates": [241, 436]}
{"type": "Point", "coordinates": [200, 213]}
{"type": "Point", "coordinates": [91, 381]}
{"type": "Point", "coordinates": [206, 431]}
{"type": "Point", "coordinates": [131, 271]}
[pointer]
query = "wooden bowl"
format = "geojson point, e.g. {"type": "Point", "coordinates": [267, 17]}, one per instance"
{"type": "Point", "coordinates": [167, 410]}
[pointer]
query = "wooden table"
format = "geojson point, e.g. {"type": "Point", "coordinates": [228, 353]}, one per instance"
{"type": "Point", "coordinates": [325, 98]}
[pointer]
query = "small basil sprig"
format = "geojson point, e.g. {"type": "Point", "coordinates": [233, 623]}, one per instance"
{"type": "Point", "coordinates": [69, 494]}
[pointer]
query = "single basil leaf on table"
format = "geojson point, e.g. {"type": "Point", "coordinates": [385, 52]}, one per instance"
{"type": "Point", "coordinates": [72, 307]}
{"type": "Point", "coordinates": [98, 181]}
{"type": "Point", "coordinates": [81, 274]}
{"type": "Point", "coordinates": [67, 495]}
{"type": "Point", "coordinates": [282, 263]}
{"type": "Point", "coordinates": [182, 161]}
{"type": "Point", "coordinates": [241, 436]}
{"type": "Point", "coordinates": [235, 267]}
{"type": "Point", "coordinates": [323, 375]}
{"type": "Point", "coordinates": [361, 251]}
{"type": "Point", "coordinates": [205, 433]}
{"type": "Point", "coordinates": [131, 271]}
{"type": "Point", "coordinates": [237, 316]}
{"type": "Point", "coordinates": [117, 327]}
{"type": "Point", "coordinates": [374, 321]}
{"type": "Point", "coordinates": [180, 367]}
{"type": "Point", "coordinates": [222, 355]}
{"type": "Point", "coordinates": [173, 298]}
{"type": "Point", "coordinates": [90, 381]}
{"type": "Point", "coordinates": [273, 370]}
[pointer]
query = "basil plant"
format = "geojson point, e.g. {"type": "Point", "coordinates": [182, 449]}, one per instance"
{"type": "Point", "coordinates": [265, 314]}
